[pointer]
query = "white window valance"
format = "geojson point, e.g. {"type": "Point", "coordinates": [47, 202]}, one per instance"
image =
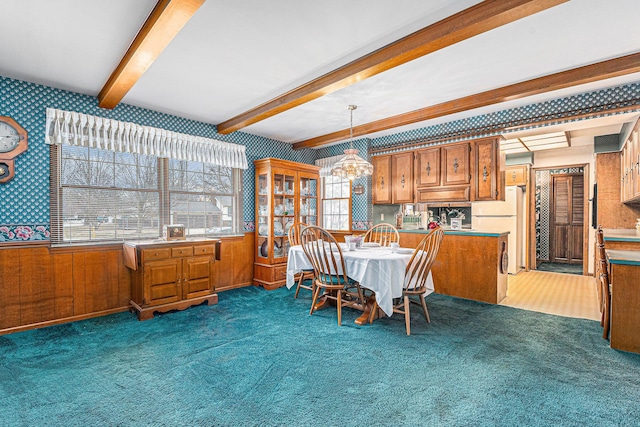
{"type": "Point", "coordinates": [72, 128]}
{"type": "Point", "coordinates": [326, 164]}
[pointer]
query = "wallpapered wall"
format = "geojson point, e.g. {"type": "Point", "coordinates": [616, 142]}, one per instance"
{"type": "Point", "coordinates": [25, 199]}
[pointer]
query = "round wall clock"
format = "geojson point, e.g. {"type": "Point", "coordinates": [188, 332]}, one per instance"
{"type": "Point", "coordinates": [13, 141]}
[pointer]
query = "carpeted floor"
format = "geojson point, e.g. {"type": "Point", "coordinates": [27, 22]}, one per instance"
{"type": "Point", "coordinates": [258, 359]}
{"type": "Point", "coordinates": [559, 267]}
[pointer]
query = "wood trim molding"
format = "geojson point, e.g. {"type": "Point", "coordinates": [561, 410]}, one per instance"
{"type": "Point", "coordinates": [163, 24]}
{"type": "Point", "coordinates": [616, 67]}
{"type": "Point", "coordinates": [463, 25]}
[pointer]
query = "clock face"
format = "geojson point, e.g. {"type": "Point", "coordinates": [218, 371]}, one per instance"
{"type": "Point", "coordinates": [9, 137]}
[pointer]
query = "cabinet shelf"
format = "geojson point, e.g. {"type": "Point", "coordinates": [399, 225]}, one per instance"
{"type": "Point", "coordinates": [282, 186]}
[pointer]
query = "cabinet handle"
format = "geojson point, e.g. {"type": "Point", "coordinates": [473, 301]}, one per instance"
{"type": "Point", "coordinates": [402, 181]}
{"type": "Point", "coordinates": [485, 174]}
{"type": "Point", "coordinates": [382, 182]}
{"type": "Point", "coordinates": [455, 165]}
{"type": "Point", "coordinates": [428, 169]}
{"type": "Point", "coordinates": [513, 176]}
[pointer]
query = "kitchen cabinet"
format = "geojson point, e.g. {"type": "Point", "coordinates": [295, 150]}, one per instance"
{"type": "Point", "coordinates": [382, 180]}
{"type": "Point", "coordinates": [427, 169]}
{"type": "Point", "coordinates": [170, 275]}
{"type": "Point", "coordinates": [455, 164]}
{"type": "Point", "coordinates": [286, 192]}
{"type": "Point", "coordinates": [393, 178]}
{"type": "Point", "coordinates": [402, 177]}
{"type": "Point", "coordinates": [517, 175]}
{"type": "Point", "coordinates": [489, 175]}
{"type": "Point", "coordinates": [630, 167]}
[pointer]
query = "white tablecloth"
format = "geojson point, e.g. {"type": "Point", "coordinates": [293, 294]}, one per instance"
{"type": "Point", "coordinates": [377, 269]}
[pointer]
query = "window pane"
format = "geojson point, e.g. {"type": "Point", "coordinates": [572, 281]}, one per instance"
{"type": "Point", "coordinates": [335, 203]}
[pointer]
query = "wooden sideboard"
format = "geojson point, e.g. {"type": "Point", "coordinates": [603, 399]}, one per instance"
{"type": "Point", "coordinates": [170, 275]}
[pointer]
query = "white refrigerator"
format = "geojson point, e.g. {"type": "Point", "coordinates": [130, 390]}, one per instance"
{"type": "Point", "coordinates": [504, 216]}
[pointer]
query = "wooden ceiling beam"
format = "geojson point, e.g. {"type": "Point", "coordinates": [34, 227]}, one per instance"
{"type": "Point", "coordinates": [163, 24]}
{"type": "Point", "coordinates": [468, 23]}
{"type": "Point", "coordinates": [582, 75]}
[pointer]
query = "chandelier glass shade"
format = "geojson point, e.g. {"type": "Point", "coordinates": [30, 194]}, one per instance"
{"type": "Point", "coordinates": [351, 166]}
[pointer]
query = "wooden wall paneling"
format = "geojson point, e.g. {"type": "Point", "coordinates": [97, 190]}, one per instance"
{"type": "Point", "coordinates": [62, 265]}
{"type": "Point", "coordinates": [78, 274]}
{"type": "Point", "coordinates": [235, 268]}
{"type": "Point", "coordinates": [37, 295]}
{"type": "Point", "coordinates": [9, 288]}
{"type": "Point", "coordinates": [625, 300]}
{"type": "Point", "coordinates": [124, 282]}
{"type": "Point", "coordinates": [101, 280]}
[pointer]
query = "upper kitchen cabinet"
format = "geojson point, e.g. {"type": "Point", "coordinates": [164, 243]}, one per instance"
{"type": "Point", "coordinates": [489, 170]}
{"type": "Point", "coordinates": [393, 178]}
{"type": "Point", "coordinates": [402, 175]}
{"type": "Point", "coordinates": [455, 164]}
{"type": "Point", "coordinates": [428, 167]}
{"type": "Point", "coordinates": [630, 167]}
{"type": "Point", "coordinates": [516, 175]}
{"type": "Point", "coordinates": [381, 180]}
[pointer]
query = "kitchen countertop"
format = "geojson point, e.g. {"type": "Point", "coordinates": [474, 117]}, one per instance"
{"type": "Point", "coordinates": [623, 257]}
{"type": "Point", "coordinates": [621, 235]}
{"type": "Point", "coordinates": [463, 232]}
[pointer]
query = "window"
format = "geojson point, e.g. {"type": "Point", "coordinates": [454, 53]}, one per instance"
{"type": "Point", "coordinates": [336, 203]}
{"type": "Point", "coordinates": [101, 195]}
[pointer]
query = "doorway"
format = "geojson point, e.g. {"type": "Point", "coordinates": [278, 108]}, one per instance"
{"type": "Point", "coordinates": [557, 231]}
{"type": "Point", "coordinates": [567, 219]}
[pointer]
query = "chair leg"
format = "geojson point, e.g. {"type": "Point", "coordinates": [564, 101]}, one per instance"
{"type": "Point", "coordinates": [424, 308]}
{"type": "Point", "coordinates": [607, 317]}
{"type": "Point", "coordinates": [315, 298]}
{"type": "Point", "coordinates": [339, 307]}
{"type": "Point", "coordinates": [407, 315]}
{"type": "Point", "coordinates": [299, 283]}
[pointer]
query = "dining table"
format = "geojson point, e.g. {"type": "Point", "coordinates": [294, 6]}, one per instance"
{"type": "Point", "coordinates": [377, 268]}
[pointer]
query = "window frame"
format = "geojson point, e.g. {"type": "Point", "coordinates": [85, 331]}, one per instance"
{"type": "Point", "coordinates": [350, 201]}
{"type": "Point", "coordinates": [56, 191]}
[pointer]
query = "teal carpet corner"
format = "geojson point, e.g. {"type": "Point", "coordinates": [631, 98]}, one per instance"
{"type": "Point", "coordinates": [258, 359]}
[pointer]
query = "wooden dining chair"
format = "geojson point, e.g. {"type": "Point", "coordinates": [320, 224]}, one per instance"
{"type": "Point", "coordinates": [330, 272]}
{"type": "Point", "coordinates": [599, 243]}
{"type": "Point", "coordinates": [605, 290]}
{"type": "Point", "coordinates": [304, 279]}
{"type": "Point", "coordinates": [416, 274]}
{"type": "Point", "coordinates": [382, 233]}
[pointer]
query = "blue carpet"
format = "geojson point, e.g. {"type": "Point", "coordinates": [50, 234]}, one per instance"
{"type": "Point", "coordinates": [258, 359]}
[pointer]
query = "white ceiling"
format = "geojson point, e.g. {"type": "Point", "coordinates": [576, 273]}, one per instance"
{"type": "Point", "coordinates": [236, 54]}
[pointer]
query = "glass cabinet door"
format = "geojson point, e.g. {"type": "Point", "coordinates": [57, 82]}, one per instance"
{"type": "Point", "coordinates": [283, 212]}
{"type": "Point", "coordinates": [263, 216]}
{"type": "Point", "coordinates": [308, 211]}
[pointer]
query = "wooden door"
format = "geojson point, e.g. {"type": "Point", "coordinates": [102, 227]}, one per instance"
{"type": "Point", "coordinates": [567, 219]}
{"type": "Point", "coordinates": [428, 167]}
{"type": "Point", "coordinates": [382, 180]}
{"type": "Point", "coordinates": [402, 172]}
{"type": "Point", "coordinates": [455, 164]}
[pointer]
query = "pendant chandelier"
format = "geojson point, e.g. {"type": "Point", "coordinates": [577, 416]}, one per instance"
{"type": "Point", "coordinates": [351, 166]}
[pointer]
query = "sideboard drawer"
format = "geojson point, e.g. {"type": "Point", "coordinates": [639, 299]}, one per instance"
{"type": "Point", "coordinates": [204, 250]}
{"type": "Point", "coordinates": [182, 251]}
{"type": "Point", "coordinates": [151, 254]}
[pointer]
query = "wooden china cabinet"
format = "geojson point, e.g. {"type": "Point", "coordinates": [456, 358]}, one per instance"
{"type": "Point", "coordinates": [286, 192]}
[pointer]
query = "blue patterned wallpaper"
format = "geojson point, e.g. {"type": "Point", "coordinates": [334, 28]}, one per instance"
{"type": "Point", "coordinates": [25, 199]}
{"type": "Point", "coordinates": [602, 102]}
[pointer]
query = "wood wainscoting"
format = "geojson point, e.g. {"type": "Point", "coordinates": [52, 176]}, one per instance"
{"type": "Point", "coordinates": [42, 286]}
